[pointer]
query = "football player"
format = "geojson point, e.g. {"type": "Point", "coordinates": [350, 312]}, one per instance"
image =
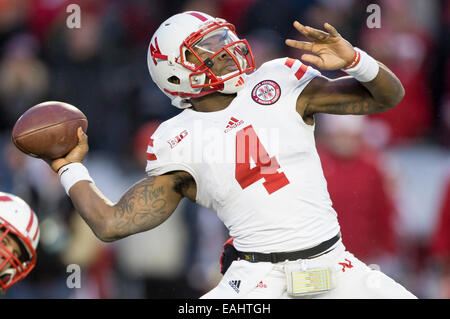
{"type": "Point", "coordinates": [19, 237]}
{"type": "Point", "coordinates": [244, 147]}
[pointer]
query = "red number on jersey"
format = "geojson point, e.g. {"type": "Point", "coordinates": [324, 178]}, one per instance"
{"type": "Point", "coordinates": [249, 147]}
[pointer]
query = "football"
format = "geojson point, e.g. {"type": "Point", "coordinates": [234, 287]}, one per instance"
{"type": "Point", "coordinates": [48, 130]}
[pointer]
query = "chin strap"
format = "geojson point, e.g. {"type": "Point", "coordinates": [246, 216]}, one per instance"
{"type": "Point", "coordinates": [233, 85]}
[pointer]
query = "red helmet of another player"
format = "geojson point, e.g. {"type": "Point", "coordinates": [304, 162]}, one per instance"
{"type": "Point", "coordinates": [19, 237]}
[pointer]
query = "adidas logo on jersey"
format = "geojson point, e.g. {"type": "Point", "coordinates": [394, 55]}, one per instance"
{"type": "Point", "coordinates": [261, 285]}
{"type": "Point", "coordinates": [235, 284]}
{"type": "Point", "coordinates": [232, 123]}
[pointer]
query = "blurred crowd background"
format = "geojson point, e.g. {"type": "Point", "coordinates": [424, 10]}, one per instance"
{"type": "Point", "coordinates": [388, 174]}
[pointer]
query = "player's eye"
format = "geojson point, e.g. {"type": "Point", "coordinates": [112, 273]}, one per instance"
{"type": "Point", "coordinates": [5, 243]}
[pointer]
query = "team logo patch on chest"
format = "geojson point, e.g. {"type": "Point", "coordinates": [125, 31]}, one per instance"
{"type": "Point", "coordinates": [266, 92]}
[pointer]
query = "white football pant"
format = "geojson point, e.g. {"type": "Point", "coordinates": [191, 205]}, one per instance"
{"type": "Point", "coordinates": [352, 280]}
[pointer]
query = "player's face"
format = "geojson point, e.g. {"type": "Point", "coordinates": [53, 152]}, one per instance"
{"type": "Point", "coordinates": [213, 42]}
{"type": "Point", "coordinates": [8, 246]}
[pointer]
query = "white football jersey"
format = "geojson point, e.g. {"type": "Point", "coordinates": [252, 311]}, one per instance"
{"type": "Point", "coordinates": [255, 162]}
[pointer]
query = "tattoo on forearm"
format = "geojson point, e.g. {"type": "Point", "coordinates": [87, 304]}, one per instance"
{"type": "Point", "coordinates": [360, 107]}
{"type": "Point", "coordinates": [142, 206]}
{"type": "Point", "coordinates": [357, 107]}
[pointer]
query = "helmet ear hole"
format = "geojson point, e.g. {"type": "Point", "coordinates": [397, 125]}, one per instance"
{"type": "Point", "coordinates": [174, 80]}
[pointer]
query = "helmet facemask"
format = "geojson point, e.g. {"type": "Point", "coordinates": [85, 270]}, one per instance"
{"type": "Point", "coordinates": [12, 267]}
{"type": "Point", "coordinates": [218, 56]}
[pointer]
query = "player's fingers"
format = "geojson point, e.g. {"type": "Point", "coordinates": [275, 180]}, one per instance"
{"type": "Point", "coordinates": [333, 32]}
{"type": "Point", "coordinates": [300, 27]}
{"type": "Point", "coordinates": [299, 44]}
{"type": "Point", "coordinates": [303, 30]}
{"type": "Point", "coordinates": [82, 137]}
{"type": "Point", "coordinates": [316, 34]}
{"type": "Point", "coordinates": [314, 59]}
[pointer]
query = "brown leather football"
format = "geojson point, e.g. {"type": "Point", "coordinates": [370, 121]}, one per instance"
{"type": "Point", "coordinates": [48, 130]}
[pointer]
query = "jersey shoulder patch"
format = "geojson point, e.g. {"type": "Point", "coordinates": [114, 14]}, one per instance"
{"type": "Point", "coordinates": [281, 79]}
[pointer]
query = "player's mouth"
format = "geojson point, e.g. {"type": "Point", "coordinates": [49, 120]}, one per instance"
{"type": "Point", "coordinates": [5, 279]}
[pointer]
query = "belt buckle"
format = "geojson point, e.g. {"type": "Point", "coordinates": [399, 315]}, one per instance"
{"type": "Point", "coordinates": [250, 257]}
{"type": "Point", "coordinates": [273, 258]}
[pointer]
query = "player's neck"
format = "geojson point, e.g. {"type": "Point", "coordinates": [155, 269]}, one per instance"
{"type": "Point", "coordinates": [212, 102]}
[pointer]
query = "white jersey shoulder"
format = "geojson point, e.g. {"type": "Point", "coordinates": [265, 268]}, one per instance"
{"type": "Point", "coordinates": [291, 73]}
{"type": "Point", "coordinates": [165, 150]}
{"type": "Point", "coordinates": [279, 83]}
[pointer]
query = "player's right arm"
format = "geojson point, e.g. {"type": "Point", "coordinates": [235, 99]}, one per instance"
{"type": "Point", "coordinates": [145, 205]}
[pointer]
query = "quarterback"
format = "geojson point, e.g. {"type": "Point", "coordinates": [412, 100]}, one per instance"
{"type": "Point", "coordinates": [244, 147]}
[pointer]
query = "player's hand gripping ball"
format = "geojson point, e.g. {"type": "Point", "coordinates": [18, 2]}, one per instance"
{"type": "Point", "coordinates": [49, 130]}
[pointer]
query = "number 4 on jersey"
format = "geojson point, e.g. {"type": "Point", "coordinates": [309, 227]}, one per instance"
{"type": "Point", "coordinates": [265, 167]}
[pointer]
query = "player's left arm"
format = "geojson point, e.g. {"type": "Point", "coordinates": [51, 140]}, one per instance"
{"type": "Point", "coordinates": [344, 95]}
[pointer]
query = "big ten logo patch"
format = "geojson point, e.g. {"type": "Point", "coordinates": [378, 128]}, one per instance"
{"type": "Point", "coordinates": [177, 139]}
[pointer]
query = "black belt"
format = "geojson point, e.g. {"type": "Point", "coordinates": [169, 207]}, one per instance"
{"type": "Point", "coordinates": [293, 255]}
